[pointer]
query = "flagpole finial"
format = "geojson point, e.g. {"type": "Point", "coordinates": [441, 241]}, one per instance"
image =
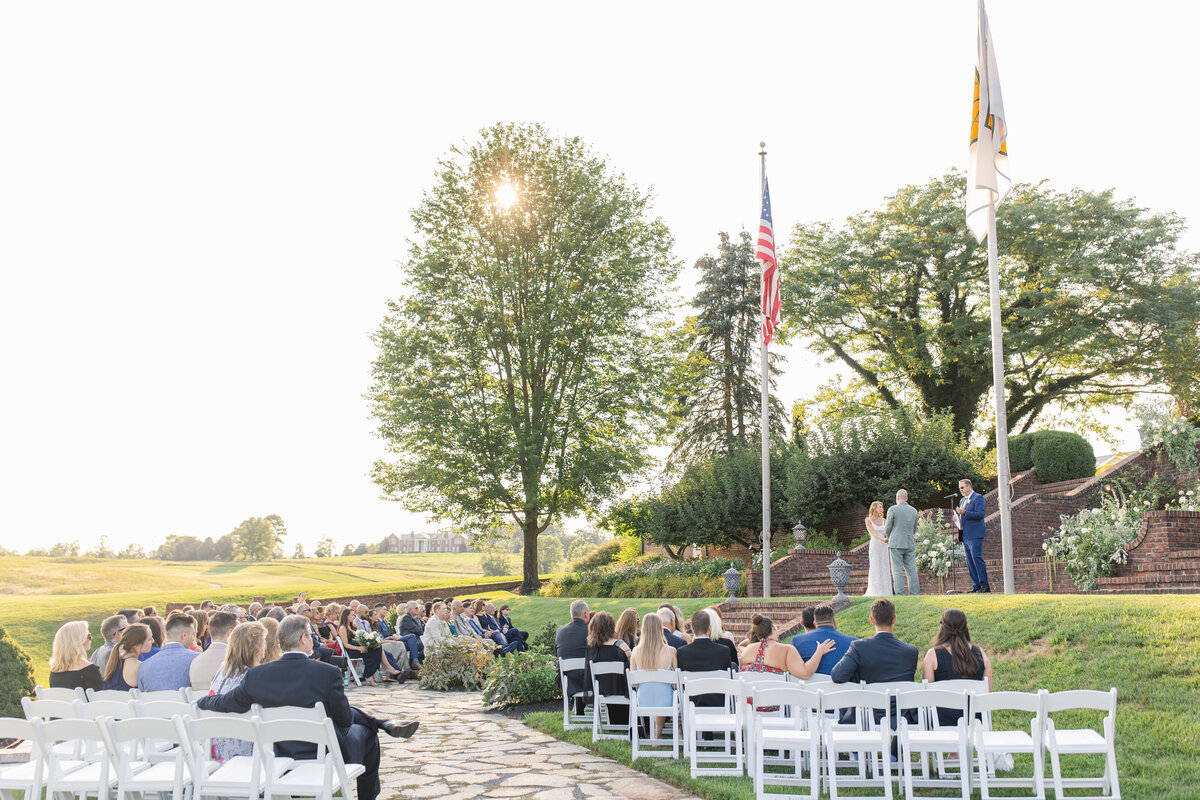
{"type": "Point", "coordinates": [762, 148]}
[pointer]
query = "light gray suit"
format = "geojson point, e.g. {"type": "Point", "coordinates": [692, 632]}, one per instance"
{"type": "Point", "coordinates": [901, 533]}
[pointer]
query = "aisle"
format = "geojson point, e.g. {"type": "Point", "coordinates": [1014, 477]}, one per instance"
{"type": "Point", "coordinates": [461, 752]}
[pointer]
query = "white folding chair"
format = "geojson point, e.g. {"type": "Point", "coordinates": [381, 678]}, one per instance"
{"type": "Point", "coordinates": [313, 713]}
{"type": "Point", "coordinates": [192, 695]}
{"type": "Point", "coordinates": [755, 680]}
{"type": "Point", "coordinates": [355, 666]}
{"type": "Point", "coordinates": [930, 738]}
{"type": "Point", "coordinates": [21, 776]}
{"type": "Point", "coordinates": [46, 710]}
{"type": "Point", "coordinates": [113, 709]}
{"type": "Point", "coordinates": [131, 742]}
{"type": "Point", "coordinates": [1075, 741]}
{"type": "Point", "coordinates": [798, 743]}
{"type": "Point", "coordinates": [571, 720]}
{"type": "Point", "coordinates": [603, 726]}
{"type": "Point", "coordinates": [727, 720]}
{"type": "Point", "coordinates": [817, 681]}
{"type": "Point", "coordinates": [121, 695]}
{"type": "Point", "coordinates": [240, 776]}
{"type": "Point", "coordinates": [638, 709]}
{"type": "Point", "coordinates": [75, 776]}
{"type": "Point", "coordinates": [173, 695]}
{"type": "Point", "coordinates": [322, 777]}
{"type": "Point", "coordinates": [871, 741]}
{"type": "Point", "coordinates": [683, 677]}
{"type": "Point", "coordinates": [164, 709]}
{"type": "Point", "coordinates": [989, 742]}
{"type": "Point", "coordinates": [58, 693]}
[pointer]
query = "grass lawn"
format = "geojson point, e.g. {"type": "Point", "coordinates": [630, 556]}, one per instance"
{"type": "Point", "coordinates": [1146, 646]}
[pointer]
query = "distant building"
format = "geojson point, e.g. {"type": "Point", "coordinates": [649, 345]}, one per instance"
{"type": "Point", "coordinates": [425, 543]}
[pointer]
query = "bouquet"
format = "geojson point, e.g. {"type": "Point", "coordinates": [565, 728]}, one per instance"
{"type": "Point", "coordinates": [368, 640]}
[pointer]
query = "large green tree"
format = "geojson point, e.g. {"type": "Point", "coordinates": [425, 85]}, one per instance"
{"type": "Point", "coordinates": [715, 395]}
{"type": "Point", "coordinates": [520, 376]}
{"type": "Point", "coordinates": [1093, 288]}
{"type": "Point", "coordinates": [258, 538]}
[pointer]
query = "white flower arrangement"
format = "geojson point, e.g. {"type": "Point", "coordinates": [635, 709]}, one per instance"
{"type": "Point", "coordinates": [368, 640]}
{"type": "Point", "coordinates": [936, 549]}
{"type": "Point", "coordinates": [1091, 543]}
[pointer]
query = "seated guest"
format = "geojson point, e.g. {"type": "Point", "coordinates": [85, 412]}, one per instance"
{"type": "Point", "coordinates": [503, 646]}
{"type": "Point", "coordinates": [254, 610]}
{"type": "Point", "coordinates": [485, 613]}
{"type": "Point", "coordinates": [602, 647]}
{"type": "Point", "coordinates": [371, 658]}
{"type": "Point", "coordinates": [666, 613]}
{"type": "Point", "coordinates": [149, 611]}
{"type": "Point", "coordinates": [506, 625]}
{"type": "Point", "coordinates": [208, 605]}
{"type": "Point", "coordinates": [570, 641]}
{"type": "Point", "coordinates": [245, 649]}
{"type": "Point", "coordinates": [826, 628]}
{"type": "Point", "coordinates": [705, 653]}
{"type": "Point", "coordinates": [881, 658]}
{"type": "Point", "coordinates": [651, 652]}
{"type": "Point", "coordinates": [155, 624]}
{"type": "Point", "coordinates": [131, 614]}
{"type": "Point", "coordinates": [410, 629]}
{"type": "Point", "coordinates": [70, 667]}
{"type": "Point", "coordinates": [297, 680]}
{"type": "Point", "coordinates": [111, 629]}
{"type": "Point", "coordinates": [201, 620]}
{"type": "Point", "coordinates": [764, 654]}
{"type": "Point", "coordinates": [395, 652]}
{"type": "Point", "coordinates": [323, 648]}
{"type": "Point", "coordinates": [333, 615]}
{"type": "Point", "coordinates": [168, 669]}
{"type": "Point", "coordinates": [121, 671]}
{"type": "Point", "coordinates": [952, 656]}
{"type": "Point", "coordinates": [272, 652]}
{"type": "Point", "coordinates": [205, 665]}
{"type": "Point", "coordinates": [392, 667]}
{"type": "Point", "coordinates": [718, 634]}
{"type": "Point", "coordinates": [808, 619]}
{"type": "Point", "coordinates": [276, 613]}
{"type": "Point", "coordinates": [439, 626]}
{"type": "Point", "coordinates": [627, 627]}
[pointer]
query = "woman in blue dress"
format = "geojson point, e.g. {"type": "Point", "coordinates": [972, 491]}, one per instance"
{"type": "Point", "coordinates": [653, 652]}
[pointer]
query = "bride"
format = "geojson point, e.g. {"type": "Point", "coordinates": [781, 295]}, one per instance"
{"type": "Point", "coordinates": [879, 576]}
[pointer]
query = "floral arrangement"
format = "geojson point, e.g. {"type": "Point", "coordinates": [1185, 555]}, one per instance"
{"type": "Point", "coordinates": [368, 640]}
{"type": "Point", "coordinates": [1188, 500]}
{"type": "Point", "coordinates": [1092, 543]}
{"type": "Point", "coordinates": [1171, 435]}
{"type": "Point", "coordinates": [936, 549]}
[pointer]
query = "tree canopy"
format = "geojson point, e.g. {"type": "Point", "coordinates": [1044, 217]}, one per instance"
{"type": "Point", "coordinates": [1094, 290]}
{"type": "Point", "coordinates": [520, 375]}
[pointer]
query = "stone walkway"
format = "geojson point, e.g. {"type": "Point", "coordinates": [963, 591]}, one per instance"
{"type": "Point", "coordinates": [461, 752]}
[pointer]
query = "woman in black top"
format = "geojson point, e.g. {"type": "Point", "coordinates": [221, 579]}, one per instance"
{"type": "Point", "coordinates": [602, 646]}
{"type": "Point", "coordinates": [953, 657]}
{"type": "Point", "coordinates": [70, 667]}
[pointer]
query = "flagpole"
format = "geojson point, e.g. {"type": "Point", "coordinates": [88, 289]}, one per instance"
{"type": "Point", "coordinates": [766, 420]}
{"type": "Point", "coordinates": [1002, 468]}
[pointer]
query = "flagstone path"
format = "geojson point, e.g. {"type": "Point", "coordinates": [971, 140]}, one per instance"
{"type": "Point", "coordinates": [460, 752]}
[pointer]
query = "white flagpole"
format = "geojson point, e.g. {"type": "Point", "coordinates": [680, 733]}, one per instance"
{"type": "Point", "coordinates": [766, 420]}
{"type": "Point", "coordinates": [1002, 469]}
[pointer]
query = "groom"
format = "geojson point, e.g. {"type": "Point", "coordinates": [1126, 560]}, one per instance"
{"type": "Point", "coordinates": [901, 534]}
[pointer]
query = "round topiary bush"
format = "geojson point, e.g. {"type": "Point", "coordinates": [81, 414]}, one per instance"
{"type": "Point", "coordinates": [1061, 456]}
{"type": "Point", "coordinates": [1019, 456]}
{"type": "Point", "coordinates": [16, 677]}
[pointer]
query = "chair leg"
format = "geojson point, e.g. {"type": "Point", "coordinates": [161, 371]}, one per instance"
{"type": "Point", "coordinates": [981, 759]}
{"type": "Point", "coordinates": [1056, 773]}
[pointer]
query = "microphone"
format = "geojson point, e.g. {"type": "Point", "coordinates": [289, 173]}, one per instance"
{"type": "Point", "coordinates": [950, 497]}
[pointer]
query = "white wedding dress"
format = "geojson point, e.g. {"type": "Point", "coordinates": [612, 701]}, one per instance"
{"type": "Point", "coordinates": [879, 573]}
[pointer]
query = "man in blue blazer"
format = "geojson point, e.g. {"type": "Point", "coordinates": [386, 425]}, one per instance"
{"type": "Point", "coordinates": [971, 511]}
{"type": "Point", "coordinates": [825, 628]}
{"type": "Point", "coordinates": [880, 659]}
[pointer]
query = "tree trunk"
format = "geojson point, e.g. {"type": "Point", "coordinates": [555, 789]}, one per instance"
{"type": "Point", "coordinates": [529, 572]}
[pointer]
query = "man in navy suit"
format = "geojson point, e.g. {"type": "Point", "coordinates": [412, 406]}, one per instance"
{"type": "Point", "coordinates": [971, 511]}
{"type": "Point", "coordinates": [297, 680]}
{"type": "Point", "coordinates": [667, 612]}
{"type": "Point", "coordinates": [825, 627]}
{"type": "Point", "coordinates": [570, 641]}
{"type": "Point", "coordinates": [880, 659]}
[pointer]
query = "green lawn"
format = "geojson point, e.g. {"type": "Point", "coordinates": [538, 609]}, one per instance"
{"type": "Point", "coordinates": [1146, 646]}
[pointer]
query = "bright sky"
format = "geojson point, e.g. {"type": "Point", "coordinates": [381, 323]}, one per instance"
{"type": "Point", "coordinates": [202, 205]}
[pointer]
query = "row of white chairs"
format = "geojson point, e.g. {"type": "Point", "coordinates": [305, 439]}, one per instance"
{"type": "Point", "coordinates": [80, 750]}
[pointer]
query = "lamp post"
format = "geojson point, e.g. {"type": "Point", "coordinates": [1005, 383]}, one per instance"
{"type": "Point", "coordinates": [798, 534]}
{"type": "Point", "coordinates": [733, 582]}
{"type": "Point", "coordinates": [839, 576]}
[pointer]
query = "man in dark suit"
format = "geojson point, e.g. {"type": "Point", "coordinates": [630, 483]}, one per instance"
{"type": "Point", "coordinates": [487, 620]}
{"type": "Point", "coordinates": [668, 617]}
{"type": "Point", "coordinates": [881, 658]}
{"type": "Point", "coordinates": [824, 627]}
{"type": "Point", "coordinates": [570, 641]}
{"type": "Point", "coordinates": [507, 627]}
{"type": "Point", "coordinates": [297, 680]}
{"type": "Point", "coordinates": [704, 655]}
{"type": "Point", "coordinates": [971, 511]}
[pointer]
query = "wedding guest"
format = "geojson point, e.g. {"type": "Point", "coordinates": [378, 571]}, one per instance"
{"type": "Point", "coordinates": [653, 652]}
{"type": "Point", "coordinates": [121, 671]}
{"type": "Point", "coordinates": [131, 614]}
{"type": "Point", "coordinates": [808, 618]}
{"type": "Point", "coordinates": [953, 656]}
{"type": "Point", "coordinates": [825, 628]}
{"type": "Point", "coordinates": [245, 649]}
{"type": "Point", "coordinates": [254, 610]}
{"type": "Point", "coordinates": [273, 650]}
{"type": "Point", "coordinates": [394, 667]}
{"type": "Point", "coordinates": [412, 631]}
{"type": "Point", "coordinates": [671, 626]}
{"type": "Point", "coordinates": [881, 658]}
{"type": "Point", "coordinates": [200, 618]}
{"type": "Point", "coordinates": [371, 659]}
{"type": "Point", "coordinates": [704, 654]}
{"type": "Point", "coordinates": [627, 627]}
{"type": "Point", "coordinates": [439, 626]}
{"type": "Point", "coordinates": [155, 624]}
{"type": "Point", "coordinates": [208, 605]}
{"type": "Point", "coordinates": [507, 627]}
{"type": "Point", "coordinates": [485, 612]}
{"type": "Point", "coordinates": [570, 641]}
{"type": "Point", "coordinates": [718, 634]}
{"type": "Point", "coordinates": [764, 654]}
{"type": "Point", "coordinates": [111, 629]}
{"type": "Point", "coordinates": [276, 613]}
{"type": "Point", "coordinates": [601, 648]}
{"type": "Point", "coordinates": [168, 669]}
{"type": "Point", "coordinates": [70, 667]}
{"type": "Point", "coordinates": [205, 665]}
{"type": "Point", "coordinates": [149, 611]}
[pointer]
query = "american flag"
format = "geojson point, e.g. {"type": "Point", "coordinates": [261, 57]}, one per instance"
{"type": "Point", "coordinates": [765, 252]}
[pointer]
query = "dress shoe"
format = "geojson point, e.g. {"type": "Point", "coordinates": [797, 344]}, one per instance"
{"type": "Point", "coordinates": [973, 590]}
{"type": "Point", "coordinates": [400, 730]}
{"type": "Point", "coordinates": [987, 589]}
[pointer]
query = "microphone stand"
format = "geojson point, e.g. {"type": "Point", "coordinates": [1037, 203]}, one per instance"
{"type": "Point", "coordinates": [953, 561]}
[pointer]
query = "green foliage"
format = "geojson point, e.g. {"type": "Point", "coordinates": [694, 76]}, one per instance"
{"type": "Point", "coordinates": [1166, 433]}
{"type": "Point", "coordinates": [189, 548]}
{"type": "Point", "coordinates": [529, 677]}
{"type": "Point", "coordinates": [856, 461]}
{"type": "Point", "coordinates": [670, 578]}
{"type": "Point", "coordinates": [550, 554]}
{"type": "Point", "coordinates": [1020, 452]}
{"type": "Point", "coordinates": [16, 677]}
{"type": "Point", "coordinates": [820, 540]}
{"type": "Point", "coordinates": [543, 638]}
{"type": "Point", "coordinates": [520, 375]}
{"type": "Point", "coordinates": [1088, 281]}
{"type": "Point", "coordinates": [462, 662]}
{"type": "Point", "coordinates": [495, 563]}
{"type": "Point", "coordinates": [1092, 543]}
{"type": "Point", "coordinates": [1062, 456]}
{"type": "Point", "coordinates": [936, 549]}
{"type": "Point", "coordinates": [602, 556]}
{"type": "Point", "coordinates": [715, 393]}
{"type": "Point", "coordinates": [257, 538]}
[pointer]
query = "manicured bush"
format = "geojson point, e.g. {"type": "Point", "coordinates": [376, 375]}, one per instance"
{"type": "Point", "coordinates": [651, 578]}
{"type": "Point", "coordinates": [16, 677]}
{"type": "Point", "coordinates": [602, 556]}
{"type": "Point", "coordinates": [529, 677]}
{"type": "Point", "coordinates": [1019, 456]}
{"type": "Point", "coordinates": [457, 663]}
{"type": "Point", "coordinates": [1061, 456]}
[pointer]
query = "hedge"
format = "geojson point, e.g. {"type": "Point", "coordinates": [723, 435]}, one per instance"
{"type": "Point", "coordinates": [1055, 455]}
{"type": "Point", "coordinates": [16, 677]}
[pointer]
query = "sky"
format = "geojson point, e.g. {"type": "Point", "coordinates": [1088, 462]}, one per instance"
{"type": "Point", "coordinates": [203, 206]}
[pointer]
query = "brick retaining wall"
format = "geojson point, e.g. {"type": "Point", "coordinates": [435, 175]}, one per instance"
{"type": "Point", "coordinates": [391, 598]}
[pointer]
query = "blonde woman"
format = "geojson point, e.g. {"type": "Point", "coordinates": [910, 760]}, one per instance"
{"type": "Point", "coordinates": [245, 650]}
{"type": "Point", "coordinates": [70, 666]}
{"type": "Point", "coordinates": [717, 634]}
{"type": "Point", "coordinates": [272, 653]}
{"type": "Point", "coordinates": [653, 652]}
{"type": "Point", "coordinates": [124, 660]}
{"type": "Point", "coordinates": [879, 574]}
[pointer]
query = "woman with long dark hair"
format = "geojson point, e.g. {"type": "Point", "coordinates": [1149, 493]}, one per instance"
{"type": "Point", "coordinates": [121, 671]}
{"type": "Point", "coordinates": [953, 656]}
{"type": "Point", "coordinates": [601, 647]}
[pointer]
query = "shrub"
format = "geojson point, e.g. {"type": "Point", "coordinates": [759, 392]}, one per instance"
{"type": "Point", "coordinates": [820, 540]}
{"type": "Point", "coordinates": [936, 549]}
{"type": "Point", "coordinates": [1061, 456]}
{"type": "Point", "coordinates": [1019, 456]}
{"type": "Point", "coordinates": [602, 556]}
{"type": "Point", "coordinates": [1174, 437]}
{"type": "Point", "coordinates": [453, 663]}
{"type": "Point", "coordinates": [651, 578]}
{"type": "Point", "coordinates": [1092, 542]}
{"type": "Point", "coordinates": [16, 677]}
{"type": "Point", "coordinates": [543, 640]}
{"type": "Point", "coordinates": [494, 563]}
{"type": "Point", "coordinates": [529, 677]}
